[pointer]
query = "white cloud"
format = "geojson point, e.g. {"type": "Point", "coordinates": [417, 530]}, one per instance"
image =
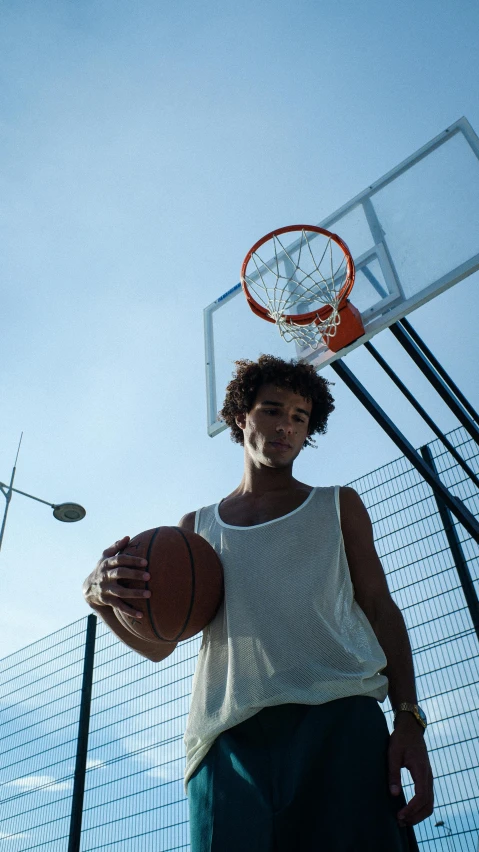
{"type": "Point", "coordinates": [4, 836]}
{"type": "Point", "coordinates": [94, 764]}
{"type": "Point", "coordinates": [47, 782]}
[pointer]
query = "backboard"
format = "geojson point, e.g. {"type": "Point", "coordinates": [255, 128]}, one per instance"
{"type": "Point", "coordinates": [413, 233]}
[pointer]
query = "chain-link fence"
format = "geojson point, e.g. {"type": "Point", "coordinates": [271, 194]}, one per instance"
{"type": "Point", "coordinates": [133, 778]}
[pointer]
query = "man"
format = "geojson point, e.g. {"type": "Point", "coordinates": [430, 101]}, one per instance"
{"type": "Point", "coordinates": [287, 748]}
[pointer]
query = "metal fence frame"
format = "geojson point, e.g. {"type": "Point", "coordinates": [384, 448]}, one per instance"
{"type": "Point", "coordinates": [91, 733]}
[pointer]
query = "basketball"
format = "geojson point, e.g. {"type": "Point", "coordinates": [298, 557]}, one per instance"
{"type": "Point", "coordinates": [186, 584]}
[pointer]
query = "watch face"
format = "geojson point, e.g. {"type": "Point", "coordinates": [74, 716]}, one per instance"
{"type": "Point", "coordinates": [422, 716]}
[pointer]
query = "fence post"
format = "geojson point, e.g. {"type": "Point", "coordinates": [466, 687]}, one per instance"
{"type": "Point", "coordinates": [456, 549]}
{"type": "Point", "coordinates": [82, 741]}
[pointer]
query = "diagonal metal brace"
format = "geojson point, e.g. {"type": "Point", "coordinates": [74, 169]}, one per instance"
{"type": "Point", "coordinates": [456, 506]}
{"type": "Point", "coordinates": [455, 546]}
{"type": "Point", "coordinates": [406, 325]}
{"type": "Point", "coordinates": [420, 410]}
{"type": "Point", "coordinates": [438, 383]}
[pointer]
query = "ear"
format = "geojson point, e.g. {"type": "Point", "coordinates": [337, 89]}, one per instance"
{"type": "Point", "coordinates": [240, 421]}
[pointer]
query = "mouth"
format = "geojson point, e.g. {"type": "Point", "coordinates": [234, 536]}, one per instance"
{"type": "Point", "coordinates": [280, 445]}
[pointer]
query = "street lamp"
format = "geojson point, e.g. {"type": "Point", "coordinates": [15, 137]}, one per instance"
{"type": "Point", "coordinates": [67, 512]}
{"type": "Point", "coordinates": [442, 824]}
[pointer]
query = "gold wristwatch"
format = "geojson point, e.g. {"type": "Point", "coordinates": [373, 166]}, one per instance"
{"type": "Point", "coordinates": [415, 709]}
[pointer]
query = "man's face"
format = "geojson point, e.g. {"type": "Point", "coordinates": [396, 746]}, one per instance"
{"type": "Point", "coordinates": [275, 429]}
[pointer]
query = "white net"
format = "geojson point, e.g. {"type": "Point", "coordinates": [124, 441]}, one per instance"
{"type": "Point", "coordinates": [301, 278]}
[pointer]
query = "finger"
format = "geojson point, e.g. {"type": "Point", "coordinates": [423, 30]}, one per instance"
{"type": "Point", "coordinates": [123, 572]}
{"type": "Point", "coordinates": [422, 800]}
{"type": "Point", "coordinates": [114, 548]}
{"type": "Point", "coordinates": [117, 591]}
{"type": "Point", "coordinates": [395, 762]}
{"type": "Point", "coordinates": [421, 815]}
{"type": "Point", "coordinates": [125, 560]}
{"type": "Point", "coordinates": [413, 806]}
{"type": "Point", "coordinates": [120, 604]}
{"type": "Point", "coordinates": [128, 610]}
{"type": "Point", "coordinates": [415, 818]}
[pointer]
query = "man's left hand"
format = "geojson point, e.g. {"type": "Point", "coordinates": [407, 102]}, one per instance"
{"type": "Point", "coordinates": [408, 749]}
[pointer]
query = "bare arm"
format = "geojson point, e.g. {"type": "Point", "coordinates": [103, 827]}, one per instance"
{"type": "Point", "coordinates": [154, 651]}
{"type": "Point", "coordinates": [407, 746]}
{"type": "Point", "coordinates": [188, 522]}
{"type": "Point", "coordinates": [372, 594]}
{"type": "Point", "coordinates": [103, 593]}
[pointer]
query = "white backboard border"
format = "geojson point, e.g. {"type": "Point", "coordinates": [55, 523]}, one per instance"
{"type": "Point", "coordinates": [393, 303]}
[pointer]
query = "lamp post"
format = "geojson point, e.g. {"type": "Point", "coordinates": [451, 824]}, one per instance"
{"type": "Point", "coordinates": [67, 512]}
{"type": "Point", "coordinates": [442, 824]}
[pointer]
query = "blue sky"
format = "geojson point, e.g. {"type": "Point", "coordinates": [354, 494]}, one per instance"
{"type": "Point", "coordinates": [144, 147]}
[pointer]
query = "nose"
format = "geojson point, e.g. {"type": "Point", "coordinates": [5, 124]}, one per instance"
{"type": "Point", "coordinates": [286, 427]}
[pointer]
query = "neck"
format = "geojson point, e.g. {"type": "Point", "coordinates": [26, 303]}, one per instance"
{"type": "Point", "coordinates": [259, 479]}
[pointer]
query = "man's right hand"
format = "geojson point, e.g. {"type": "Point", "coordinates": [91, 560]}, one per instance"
{"type": "Point", "coordinates": [101, 588]}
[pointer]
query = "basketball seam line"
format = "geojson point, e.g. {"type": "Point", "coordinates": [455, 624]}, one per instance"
{"type": "Point", "coordinates": [193, 585]}
{"type": "Point", "coordinates": [193, 581]}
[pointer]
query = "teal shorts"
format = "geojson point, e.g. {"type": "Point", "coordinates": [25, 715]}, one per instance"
{"type": "Point", "coordinates": [299, 778]}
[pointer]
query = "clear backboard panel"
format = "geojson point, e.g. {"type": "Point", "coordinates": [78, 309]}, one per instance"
{"type": "Point", "coordinates": [412, 234]}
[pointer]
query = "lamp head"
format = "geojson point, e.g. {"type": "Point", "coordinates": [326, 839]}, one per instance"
{"type": "Point", "coordinates": [69, 512]}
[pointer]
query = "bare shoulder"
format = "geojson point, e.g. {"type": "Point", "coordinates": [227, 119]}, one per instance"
{"type": "Point", "coordinates": [188, 522]}
{"type": "Point", "coordinates": [352, 507]}
{"type": "Point", "coordinates": [365, 568]}
{"type": "Point", "coordinates": [348, 496]}
{"type": "Point", "coordinates": [356, 525]}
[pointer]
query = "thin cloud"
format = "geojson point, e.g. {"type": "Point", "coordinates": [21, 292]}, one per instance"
{"type": "Point", "coordinates": [5, 836]}
{"type": "Point", "coordinates": [95, 764]}
{"type": "Point", "coordinates": [46, 782]}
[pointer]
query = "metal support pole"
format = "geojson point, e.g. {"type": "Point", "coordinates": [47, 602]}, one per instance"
{"type": "Point", "coordinates": [420, 410]}
{"type": "Point", "coordinates": [458, 509]}
{"type": "Point", "coordinates": [8, 493]}
{"type": "Point", "coordinates": [455, 547]}
{"type": "Point", "coordinates": [435, 379]}
{"type": "Point", "coordinates": [439, 369]}
{"type": "Point", "coordinates": [8, 497]}
{"type": "Point", "coordinates": [74, 838]}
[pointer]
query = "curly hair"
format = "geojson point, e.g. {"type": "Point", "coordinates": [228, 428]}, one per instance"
{"type": "Point", "coordinates": [296, 376]}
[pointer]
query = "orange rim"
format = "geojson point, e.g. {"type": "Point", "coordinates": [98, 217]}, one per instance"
{"type": "Point", "coordinates": [300, 319]}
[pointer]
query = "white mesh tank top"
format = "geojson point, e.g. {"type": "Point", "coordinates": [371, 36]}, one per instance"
{"type": "Point", "coordinates": [289, 630]}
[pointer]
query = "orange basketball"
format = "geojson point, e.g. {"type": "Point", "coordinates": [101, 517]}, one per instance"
{"type": "Point", "coordinates": [186, 584]}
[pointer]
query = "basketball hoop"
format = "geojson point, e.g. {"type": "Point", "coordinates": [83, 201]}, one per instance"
{"type": "Point", "coordinates": [303, 288]}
